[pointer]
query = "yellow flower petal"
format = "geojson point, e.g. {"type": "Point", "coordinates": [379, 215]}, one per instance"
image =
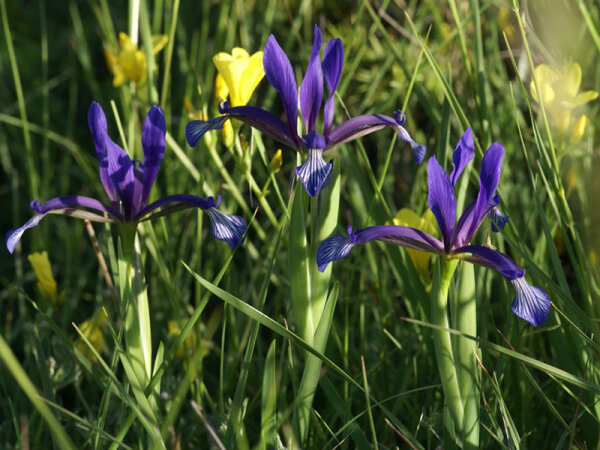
{"type": "Point", "coordinates": [92, 329]}
{"type": "Point", "coordinates": [158, 42]}
{"type": "Point", "coordinates": [409, 218]}
{"type": "Point", "coordinates": [276, 162]}
{"type": "Point", "coordinates": [570, 79]}
{"type": "Point", "coordinates": [545, 76]}
{"type": "Point", "coordinates": [221, 89]}
{"type": "Point", "coordinates": [227, 133]}
{"type": "Point", "coordinates": [252, 75]}
{"type": "Point", "coordinates": [43, 273]}
{"type": "Point", "coordinates": [579, 128]}
{"type": "Point", "coordinates": [585, 97]}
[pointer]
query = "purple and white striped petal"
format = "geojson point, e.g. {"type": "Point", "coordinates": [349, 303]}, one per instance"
{"type": "Point", "coordinates": [334, 248]}
{"type": "Point", "coordinates": [265, 122]}
{"type": "Point", "coordinates": [311, 88]}
{"type": "Point", "coordinates": [227, 227]}
{"type": "Point", "coordinates": [441, 199]}
{"type": "Point", "coordinates": [314, 171]}
{"type": "Point", "coordinates": [195, 129]}
{"type": "Point", "coordinates": [333, 63]}
{"type": "Point", "coordinates": [361, 125]}
{"type": "Point", "coordinates": [531, 303]}
{"type": "Point", "coordinates": [463, 154]}
{"type": "Point", "coordinates": [499, 220]}
{"type": "Point", "coordinates": [280, 74]}
{"type": "Point", "coordinates": [68, 206]}
{"type": "Point", "coordinates": [153, 143]}
{"type": "Point", "coordinates": [463, 227]}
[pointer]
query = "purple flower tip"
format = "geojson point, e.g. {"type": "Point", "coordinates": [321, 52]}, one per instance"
{"type": "Point", "coordinates": [400, 117]}
{"type": "Point", "coordinates": [531, 303]}
{"type": "Point", "coordinates": [332, 249]}
{"type": "Point", "coordinates": [227, 227]}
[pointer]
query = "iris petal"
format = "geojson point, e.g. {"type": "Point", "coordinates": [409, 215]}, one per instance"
{"type": "Point", "coordinates": [14, 235]}
{"type": "Point", "coordinates": [311, 89]}
{"type": "Point", "coordinates": [280, 74]}
{"type": "Point", "coordinates": [531, 303]}
{"type": "Point", "coordinates": [333, 63]}
{"type": "Point", "coordinates": [463, 154]}
{"type": "Point", "coordinates": [441, 199]}
{"type": "Point", "coordinates": [153, 143]}
{"type": "Point", "coordinates": [196, 128]}
{"type": "Point", "coordinates": [227, 227]}
{"type": "Point", "coordinates": [488, 257]}
{"type": "Point", "coordinates": [314, 171]}
{"type": "Point", "coordinates": [499, 220]}
{"type": "Point", "coordinates": [331, 249]}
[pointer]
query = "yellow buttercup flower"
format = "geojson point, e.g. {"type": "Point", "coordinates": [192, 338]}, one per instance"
{"type": "Point", "coordinates": [427, 223]}
{"type": "Point", "coordinates": [130, 62]}
{"type": "Point", "coordinates": [240, 72]}
{"type": "Point", "coordinates": [43, 273]}
{"type": "Point", "coordinates": [189, 344]}
{"type": "Point", "coordinates": [276, 162]}
{"type": "Point", "coordinates": [92, 329]}
{"type": "Point", "coordinates": [559, 89]}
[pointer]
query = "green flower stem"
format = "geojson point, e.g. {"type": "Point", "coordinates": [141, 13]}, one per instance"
{"type": "Point", "coordinates": [442, 340]}
{"type": "Point", "coordinates": [313, 310]}
{"type": "Point", "coordinates": [468, 369]}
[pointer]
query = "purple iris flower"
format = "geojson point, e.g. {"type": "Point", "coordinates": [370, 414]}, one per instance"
{"type": "Point", "coordinates": [314, 171]}
{"type": "Point", "coordinates": [127, 184]}
{"type": "Point", "coordinates": [530, 303]}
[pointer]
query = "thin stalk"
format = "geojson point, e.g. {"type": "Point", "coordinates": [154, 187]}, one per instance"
{"type": "Point", "coordinates": [443, 342]}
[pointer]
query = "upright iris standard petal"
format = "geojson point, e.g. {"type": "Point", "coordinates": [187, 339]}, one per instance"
{"type": "Point", "coordinates": [195, 129]}
{"type": "Point", "coordinates": [280, 74]}
{"type": "Point", "coordinates": [311, 88]}
{"type": "Point", "coordinates": [227, 227]}
{"type": "Point", "coordinates": [491, 167]}
{"type": "Point", "coordinates": [153, 143]}
{"type": "Point", "coordinates": [441, 199]}
{"type": "Point", "coordinates": [333, 63]}
{"type": "Point", "coordinates": [98, 127]}
{"type": "Point", "coordinates": [531, 303]}
{"type": "Point", "coordinates": [314, 171]}
{"type": "Point", "coordinates": [463, 154]}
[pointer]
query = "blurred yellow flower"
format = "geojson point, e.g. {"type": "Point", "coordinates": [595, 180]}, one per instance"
{"type": "Point", "coordinates": [559, 89]}
{"type": "Point", "coordinates": [276, 162]}
{"type": "Point", "coordinates": [43, 273]}
{"type": "Point", "coordinates": [130, 62]}
{"type": "Point", "coordinates": [192, 113]}
{"type": "Point", "coordinates": [240, 73]}
{"type": "Point", "coordinates": [427, 223]}
{"type": "Point", "coordinates": [92, 330]}
{"type": "Point", "coordinates": [189, 344]}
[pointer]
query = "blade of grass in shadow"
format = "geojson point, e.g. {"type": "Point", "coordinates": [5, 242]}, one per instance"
{"type": "Point", "coordinates": [268, 416]}
{"type": "Point", "coordinates": [20, 376]}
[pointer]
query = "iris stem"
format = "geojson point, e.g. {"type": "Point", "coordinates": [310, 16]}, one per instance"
{"type": "Point", "coordinates": [443, 342]}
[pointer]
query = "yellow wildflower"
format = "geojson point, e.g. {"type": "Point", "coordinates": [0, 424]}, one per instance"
{"type": "Point", "coordinates": [240, 72]}
{"type": "Point", "coordinates": [92, 330]}
{"type": "Point", "coordinates": [426, 223]}
{"type": "Point", "coordinates": [43, 273]}
{"type": "Point", "coordinates": [559, 92]}
{"type": "Point", "coordinates": [189, 344]}
{"type": "Point", "coordinates": [130, 62]}
{"type": "Point", "coordinates": [276, 162]}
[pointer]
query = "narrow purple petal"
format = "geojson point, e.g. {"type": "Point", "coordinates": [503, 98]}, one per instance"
{"type": "Point", "coordinates": [499, 220]}
{"type": "Point", "coordinates": [441, 199]}
{"type": "Point", "coordinates": [153, 142]}
{"type": "Point", "coordinates": [227, 227]}
{"type": "Point", "coordinates": [471, 218]}
{"type": "Point", "coordinates": [280, 74]}
{"type": "Point", "coordinates": [399, 235]}
{"type": "Point", "coordinates": [13, 236]}
{"type": "Point", "coordinates": [98, 128]}
{"type": "Point", "coordinates": [314, 171]}
{"type": "Point", "coordinates": [361, 125]}
{"type": "Point", "coordinates": [531, 303]}
{"type": "Point", "coordinates": [487, 257]}
{"type": "Point", "coordinates": [62, 205]}
{"type": "Point", "coordinates": [331, 249]}
{"type": "Point", "coordinates": [311, 89]}
{"type": "Point", "coordinates": [195, 129]}
{"type": "Point", "coordinates": [266, 123]}
{"type": "Point", "coordinates": [463, 154]}
{"type": "Point", "coordinates": [333, 63]}
{"type": "Point", "coordinates": [180, 199]}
